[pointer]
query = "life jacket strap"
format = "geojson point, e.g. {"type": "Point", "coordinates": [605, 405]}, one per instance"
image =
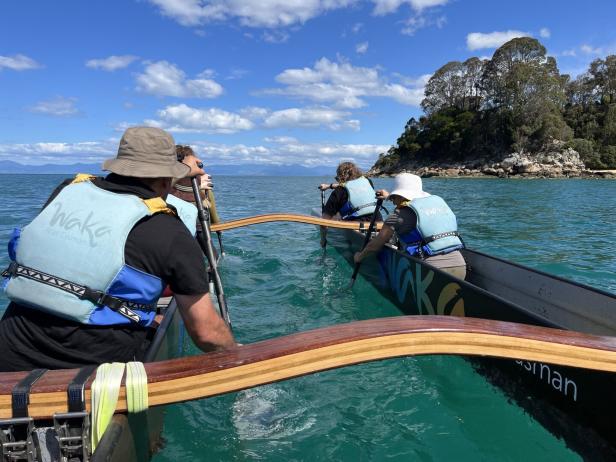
{"type": "Point", "coordinates": [97, 297]}
{"type": "Point", "coordinates": [434, 237]}
{"type": "Point", "coordinates": [359, 207]}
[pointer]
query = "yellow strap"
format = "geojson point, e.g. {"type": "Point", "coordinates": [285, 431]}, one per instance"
{"type": "Point", "coordinates": [136, 387]}
{"type": "Point", "coordinates": [104, 393]}
{"type": "Point", "coordinates": [81, 177]}
{"type": "Point", "coordinates": [405, 204]}
{"type": "Point", "coordinates": [158, 205]}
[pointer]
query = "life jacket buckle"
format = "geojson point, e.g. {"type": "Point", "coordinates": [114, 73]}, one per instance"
{"type": "Point", "coordinates": [10, 271]}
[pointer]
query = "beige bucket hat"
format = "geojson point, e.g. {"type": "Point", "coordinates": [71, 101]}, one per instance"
{"type": "Point", "coordinates": [408, 186]}
{"type": "Point", "coordinates": [146, 152]}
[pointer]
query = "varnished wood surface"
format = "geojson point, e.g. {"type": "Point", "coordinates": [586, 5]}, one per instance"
{"type": "Point", "coordinates": [297, 218]}
{"type": "Point", "coordinates": [332, 347]}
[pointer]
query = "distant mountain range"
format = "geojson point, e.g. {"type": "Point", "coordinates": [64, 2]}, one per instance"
{"type": "Point", "coordinates": [7, 166]}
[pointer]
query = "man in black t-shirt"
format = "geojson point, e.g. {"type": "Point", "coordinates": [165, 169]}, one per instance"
{"type": "Point", "coordinates": [159, 245]}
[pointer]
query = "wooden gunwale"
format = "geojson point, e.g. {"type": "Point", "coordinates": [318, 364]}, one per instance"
{"type": "Point", "coordinates": [290, 217]}
{"type": "Point", "coordinates": [299, 354]}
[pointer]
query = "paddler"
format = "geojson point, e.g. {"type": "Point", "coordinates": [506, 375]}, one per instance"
{"type": "Point", "coordinates": [182, 188]}
{"type": "Point", "coordinates": [86, 273]}
{"type": "Point", "coordinates": [353, 197]}
{"type": "Point", "coordinates": [424, 224]}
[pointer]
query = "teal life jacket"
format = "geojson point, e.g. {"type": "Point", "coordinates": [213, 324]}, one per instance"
{"type": "Point", "coordinates": [186, 211]}
{"type": "Point", "coordinates": [69, 261]}
{"type": "Point", "coordinates": [437, 228]}
{"type": "Point", "coordinates": [362, 199]}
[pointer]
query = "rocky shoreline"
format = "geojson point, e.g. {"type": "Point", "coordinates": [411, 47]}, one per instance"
{"type": "Point", "coordinates": [553, 163]}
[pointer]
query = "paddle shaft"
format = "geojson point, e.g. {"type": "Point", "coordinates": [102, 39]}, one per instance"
{"type": "Point", "coordinates": [379, 202]}
{"type": "Point", "coordinates": [210, 197]}
{"type": "Point", "coordinates": [206, 238]}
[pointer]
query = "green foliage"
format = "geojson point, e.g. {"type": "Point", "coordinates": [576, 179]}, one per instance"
{"type": "Point", "coordinates": [515, 101]}
{"type": "Point", "coordinates": [587, 151]}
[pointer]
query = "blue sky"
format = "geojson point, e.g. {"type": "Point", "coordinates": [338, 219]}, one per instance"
{"type": "Point", "coordinates": [309, 82]}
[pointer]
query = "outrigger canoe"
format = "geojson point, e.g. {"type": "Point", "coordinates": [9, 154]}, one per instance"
{"type": "Point", "coordinates": [565, 400]}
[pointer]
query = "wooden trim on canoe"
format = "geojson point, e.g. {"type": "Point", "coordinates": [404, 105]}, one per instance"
{"type": "Point", "coordinates": [297, 218]}
{"type": "Point", "coordinates": [332, 347]}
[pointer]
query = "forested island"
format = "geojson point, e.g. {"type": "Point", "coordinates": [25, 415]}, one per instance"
{"type": "Point", "coordinates": [513, 114]}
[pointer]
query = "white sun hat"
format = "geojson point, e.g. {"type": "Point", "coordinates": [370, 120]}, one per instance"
{"type": "Point", "coordinates": [408, 186]}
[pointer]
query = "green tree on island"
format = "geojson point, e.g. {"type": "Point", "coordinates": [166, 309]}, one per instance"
{"type": "Point", "coordinates": [517, 101]}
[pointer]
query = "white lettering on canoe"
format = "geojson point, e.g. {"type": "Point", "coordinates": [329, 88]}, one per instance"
{"type": "Point", "coordinates": [552, 377]}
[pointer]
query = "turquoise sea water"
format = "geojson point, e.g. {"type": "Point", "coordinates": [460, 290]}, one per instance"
{"type": "Point", "coordinates": [278, 282]}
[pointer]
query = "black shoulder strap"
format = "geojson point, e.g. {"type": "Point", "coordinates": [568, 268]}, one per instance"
{"type": "Point", "coordinates": [75, 390]}
{"type": "Point", "coordinates": [20, 396]}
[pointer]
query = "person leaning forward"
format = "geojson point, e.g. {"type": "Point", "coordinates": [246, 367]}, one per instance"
{"type": "Point", "coordinates": [353, 197]}
{"type": "Point", "coordinates": [115, 235]}
{"type": "Point", "coordinates": [425, 225]}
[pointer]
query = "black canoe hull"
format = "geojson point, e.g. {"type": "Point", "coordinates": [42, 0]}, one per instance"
{"type": "Point", "coordinates": [565, 400]}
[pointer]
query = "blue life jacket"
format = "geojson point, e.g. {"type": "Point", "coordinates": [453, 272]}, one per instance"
{"type": "Point", "coordinates": [437, 228]}
{"type": "Point", "coordinates": [186, 211]}
{"type": "Point", "coordinates": [362, 199]}
{"type": "Point", "coordinates": [69, 261]}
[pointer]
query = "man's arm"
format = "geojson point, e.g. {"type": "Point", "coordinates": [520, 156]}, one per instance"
{"type": "Point", "coordinates": [205, 327]}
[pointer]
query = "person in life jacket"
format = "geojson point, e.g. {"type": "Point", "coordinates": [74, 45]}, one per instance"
{"type": "Point", "coordinates": [85, 275]}
{"type": "Point", "coordinates": [424, 224]}
{"type": "Point", "coordinates": [353, 197]}
{"type": "Point", "coordinates": [182, 188]}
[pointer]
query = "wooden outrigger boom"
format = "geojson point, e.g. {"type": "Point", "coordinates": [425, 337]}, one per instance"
{"type": "Point", "coordinates": [333, 347]}
{"type": "Point", "coordinates": [291, 217]}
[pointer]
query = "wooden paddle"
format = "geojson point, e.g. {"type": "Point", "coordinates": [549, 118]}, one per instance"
{"type": "Point", "coordinates": [206, 237]}
{"type": "Point", "coordinates": [379, 202]}
{"type": "Point", "coordinates": [332, 347]}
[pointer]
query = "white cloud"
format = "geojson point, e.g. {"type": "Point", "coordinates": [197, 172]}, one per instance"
{"type": "Point", "coordinates": [545, 32]}
{"type": "Point", "coordinates": [290, 151]}
{"type": "Point", "coordinates": [59, 153]}
{"type": "Point", "coordinates": [479, 40]}
{"type": "Point", "coordinates": [58, 107]}
{"type": "Point", "coordinates": [570, 52]}
{"type": "Point", "coordinates": [276, 150]}
{"type": "Point", "coordinates": [18, 63]}
{"type": "Point", "coordinates": [164, 79]}
{"type": "Point", "coordinates": [382, 7]}
{"type": "Point", "coordinates": [421, 17]}
{"type": "Point", "coordinates": [343, 85]}
{"type": "Point", "coordinates": [280, 139]}
{"type": "Point", "coordinates": [275, 36]}
{"type": "Point", "coordinates": [237, 74]}
{"type": "Point", "coordinates": [263, 13]}
{"type": "Point", "coordinates": [310, 117]}
{"type": "Point", "coordinates": [589, 50]}
{"type": "Point", "coordinates": [361, 48]}
{"type": "Point", "coordinates": [111, 63]}
{"type": "Point", "coordinates": [183, 118]}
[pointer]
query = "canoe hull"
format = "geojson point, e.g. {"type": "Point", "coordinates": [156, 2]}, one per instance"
{"type": "Point", "coordinates": [136, 437]}
{"type": "Point", "coordinates": [565, 400]}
